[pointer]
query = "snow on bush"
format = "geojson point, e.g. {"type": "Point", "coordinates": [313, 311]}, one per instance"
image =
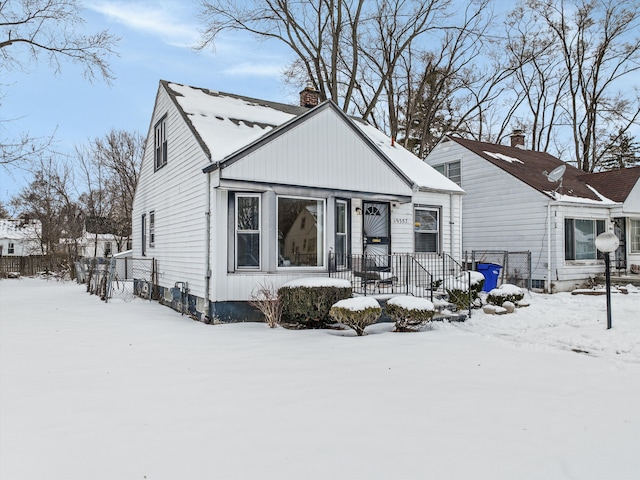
{"type": "Point", "coordinates": [307, 301]}
{"type": "Point", "coordinates": [464, 288]}
{"type": "Point", "coordinates": [409, 313]}
{"type": "Point", "coordinates": [505, 293]}
{"type": "Point", "coordinates": [357, 313]}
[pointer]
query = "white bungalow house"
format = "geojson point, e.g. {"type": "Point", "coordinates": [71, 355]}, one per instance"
{"type": "Point", "coordinates": [521, 200]}
{"type": "Point", "coordinates": [20, 237]}
{"type": "Point", "coordinates": [235, 192]}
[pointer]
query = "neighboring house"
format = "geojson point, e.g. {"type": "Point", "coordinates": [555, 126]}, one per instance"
{"type": "Point", "coordinates": [514, 202]}
{"type": "Point", "coordinates": [20, 237]}
{"type": "Point", "coordinates": [236, 192]}
{"type": "Point", "coordinates": [100, 240]}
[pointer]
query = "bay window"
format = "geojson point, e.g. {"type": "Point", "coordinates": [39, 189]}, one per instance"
{"type": "Point", "coordinates": [580, 238]}
{"type": "Point", "coordinates": [301, 234]}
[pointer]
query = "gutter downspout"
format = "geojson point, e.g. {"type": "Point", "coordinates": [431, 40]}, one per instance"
{"type": "Point", "coordinates": [548, 246]}
{"type": "Point", "coordinates": [207, 249]}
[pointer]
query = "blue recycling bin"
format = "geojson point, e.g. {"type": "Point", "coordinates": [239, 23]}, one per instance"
{"type": "Point", "coordinates": [491, 272]}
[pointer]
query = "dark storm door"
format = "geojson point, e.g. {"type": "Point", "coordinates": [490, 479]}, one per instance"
{"type": "Point", "coordinates": [376, 232]}
{"type": "Point", "coordinates": [621, 253]}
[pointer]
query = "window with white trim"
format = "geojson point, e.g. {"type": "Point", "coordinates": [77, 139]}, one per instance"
{"type": "Point", "coordinates": [247, 226]}
{"type": "Point", "coordinates": [580, 238]}
{"type": "Point", "coordinates": [152, 228]}
{"type": "Point", "coordinates": [451, 170]}
{"type": "Point", "coordinates": [301, 232]}
{"type": "Point", "coordinates": [160, 136]}
{"type": "Point", "coordinates": [426, 229]}
{"type": "Point", "coordinates": [634, 236]}
{"type": "Point", "coordinates": [11, 248]}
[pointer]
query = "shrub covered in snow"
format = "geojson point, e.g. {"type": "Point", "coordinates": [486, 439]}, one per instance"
{"type": "Point", "coordinates": [505, 293]}
{"type": "Point", "coordinates": [357, 313]}
{"type": "Point", "coordinates": [409, 313]}
{"type": "Point", "coordinates": [307, 301]}
{"type": "Point", "coordinates": [464, 288]}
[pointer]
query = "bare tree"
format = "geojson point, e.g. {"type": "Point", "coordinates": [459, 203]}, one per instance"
{"type": "Point", "coordinates": [348, 49]}
{"type": "Point", "coordinates": [47, 198]}
{"type": "Point", "coordinates": [110, 166]}
{"type": "Point", "coordinates": [31, 30]}
{"type": "Point", "coordinates": [453, 86]}
{"type": "Point", "coordinates": [580, 56]}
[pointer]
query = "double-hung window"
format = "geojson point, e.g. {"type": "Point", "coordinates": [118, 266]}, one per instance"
{"type": "Point", "coordinates": [152, 228]}
{"type": "Point", "coordinates": [301, 234]}
{"type": "Point", "coordinates": [247, 231]}
{"type": "Point", "coordinates": [426, 229]}
{"type": "Point", "coordinates": [11, 248]}
{"type": "Point", "coordinates": [580, 238]}
{"type": "Point", "coordinates": [451, 170]}
{"type": "Point", "coordinates": [635, 236]}
{"type": "Point", "coordinates": [160, 135]}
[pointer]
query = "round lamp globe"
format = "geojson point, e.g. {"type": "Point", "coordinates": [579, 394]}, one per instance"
{"type": "Point", "coordinates": [607, 242]}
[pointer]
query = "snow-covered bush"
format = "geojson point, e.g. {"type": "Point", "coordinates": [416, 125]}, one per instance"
{"type": "Point", "coordinates": [357, 313]}
{"type": "Point", "coordinates": [505, 293]}
{"type": "Point", "coordinates": [409, 313]}
{"type": "Point", "coordinates": [464, 288]}
{"type": "Point", "coordinates": [307, 301]}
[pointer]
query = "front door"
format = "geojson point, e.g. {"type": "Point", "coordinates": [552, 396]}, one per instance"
{"type": "Point", "coordinates": [376, 232]}
{"type": "Point", "coordinates": [621, 253]}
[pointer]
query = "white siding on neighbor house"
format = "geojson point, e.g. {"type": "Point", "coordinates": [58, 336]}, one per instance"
{"type": "Point", "coordinates": [322, 151]}
{"type": "Point", "coordinates": [499, 211]}
{"type": "Point", "coordinates": [632, 203]}
{"type": "Point", "coordinates": [572, 273]}
{"type": "Point", "coordinates": [177, 195]}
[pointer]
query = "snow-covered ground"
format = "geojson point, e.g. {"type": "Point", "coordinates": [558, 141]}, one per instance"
{"type": "Point", "coordinates": [133, 390]}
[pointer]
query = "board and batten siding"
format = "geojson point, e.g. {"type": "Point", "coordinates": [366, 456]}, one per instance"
{"type": "Point", "coordinates": [323, 152]}
{"type": "Point", "coordinates": [177, 195]}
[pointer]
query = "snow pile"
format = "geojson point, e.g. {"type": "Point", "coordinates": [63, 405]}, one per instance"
{"type": "Point", "coordinates": [133, 390]}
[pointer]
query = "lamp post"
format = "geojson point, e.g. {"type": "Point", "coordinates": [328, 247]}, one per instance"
{"type": "Point", "coordinates": [607, 242]}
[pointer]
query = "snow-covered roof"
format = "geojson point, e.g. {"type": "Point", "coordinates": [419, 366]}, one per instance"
{"type": "Point", "coordinates": [531, 167]}
{"type": "Point", "coordinates": [422, 174]}
{"type": "Point", "coordinates": [226, 123]}
{"type": "Point", "coordinates": [19, 229]}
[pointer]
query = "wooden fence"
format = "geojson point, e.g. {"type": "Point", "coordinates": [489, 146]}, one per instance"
{"type": "Point", "coordinates": [31, 265]}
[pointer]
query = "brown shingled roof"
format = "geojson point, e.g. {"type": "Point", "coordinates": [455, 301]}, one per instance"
{"type": "Point", "coordinates": [615, 184]}
{"type": "Point", "coordinates": [528, 166]}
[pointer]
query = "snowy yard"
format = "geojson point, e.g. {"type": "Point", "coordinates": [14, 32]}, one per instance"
{"type": "Point", "coordinates": [133, 390]}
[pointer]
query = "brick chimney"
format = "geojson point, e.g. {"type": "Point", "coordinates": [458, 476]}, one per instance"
{"type": "Point", "coordinates": [309, 97]}
{"type": "Point", "coordinates": [517, 138]}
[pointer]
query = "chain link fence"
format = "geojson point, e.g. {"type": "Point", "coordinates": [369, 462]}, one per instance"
{"type": "Point", "coordinates": [118, 277]}
{"type": "Point", "coordinates": [516, 266]}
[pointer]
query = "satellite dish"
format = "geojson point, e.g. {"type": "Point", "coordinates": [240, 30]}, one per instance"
{"type": "Point", "coordinates": [556, 174]}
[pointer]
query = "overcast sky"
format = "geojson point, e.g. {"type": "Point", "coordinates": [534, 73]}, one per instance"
{"type": "Point", "coordinates": [156, 39]}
